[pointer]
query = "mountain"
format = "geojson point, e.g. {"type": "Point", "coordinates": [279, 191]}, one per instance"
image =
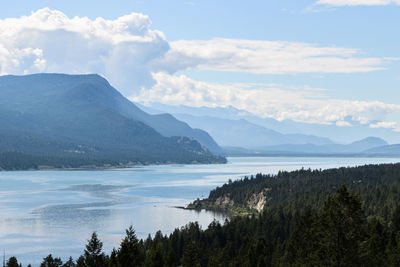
{"type": "Point", "coordinates": [242, 133]}
{"type": "Point", "coordinates": [392, 150]}
{"type": "Point", "coordinates": [164, 123]}
{"type": "Point", "coordinates": [368, 146]}
{"type": "Point", "coordinates": [83, 117]}
{"type": "Point", "coordinates": [228, 132]}
{"type": "Point", "coordinates": [335, 133]}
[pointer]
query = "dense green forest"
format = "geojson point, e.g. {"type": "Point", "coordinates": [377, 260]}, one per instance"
{"type": "Point", "coordinates": [378, 187]}
{"type": "Point", "coordinates": [337, 217]}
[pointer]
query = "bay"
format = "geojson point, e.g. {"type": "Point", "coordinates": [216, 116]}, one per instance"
{"type": "Point", "coordinates": [43, 212]}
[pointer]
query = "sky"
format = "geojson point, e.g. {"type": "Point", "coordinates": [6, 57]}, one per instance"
{"type": "Point", "coordinates": [334, 62]}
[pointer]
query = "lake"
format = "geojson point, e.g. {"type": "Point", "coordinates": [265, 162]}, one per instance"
{"type": "Point", "coordinates": [55, 212]}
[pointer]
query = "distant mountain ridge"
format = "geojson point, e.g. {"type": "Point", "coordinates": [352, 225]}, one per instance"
{"type": "Point", "coordinates": [82, 116]}
{"type": "Point", "coordinates": [342, 135]}
{"type": "Point", "coordinates": [239, 137]}
{"type": "Point", "coordinates": [370, 146]}
{"type": "Point", "coordinates": [246, 134]}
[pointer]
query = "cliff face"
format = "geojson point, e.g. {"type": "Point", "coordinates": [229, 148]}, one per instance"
{"type": "Point", "coordinates": [254, 204]}
{"type": "Point", "coordinates": [224, 201]}
{"type": "Point", "coordinates": [257, 201]}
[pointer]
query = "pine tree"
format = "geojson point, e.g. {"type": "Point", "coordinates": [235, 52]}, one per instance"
{"type": "Point", "coordinates": [49, 261]}
{"type": "Point", "coordinates": [12, 262]}
{"type": "Point", "coordinates": [340, 229]}
{"type": "Point", "coordinates": [93, 255]}
{"type": "Point", "coordinates": [69, 263]}
{"type": "Point", "coordinates": [129, 253]}
{"type": "Point", "coordinates": [155, 256]}
{"type": "Point", "coordinates": [190, 256]}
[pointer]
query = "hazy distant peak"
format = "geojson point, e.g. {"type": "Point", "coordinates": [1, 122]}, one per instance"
{"type": "Point", "coordinates": [371, 140]}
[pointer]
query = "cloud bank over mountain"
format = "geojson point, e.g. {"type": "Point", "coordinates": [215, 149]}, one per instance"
{"type": "Point", "coordinates": [49, 41]}
{"type": "Point", "coordinates": [303, 104]}
{"type": "Point", "coordinates": [143, 65]}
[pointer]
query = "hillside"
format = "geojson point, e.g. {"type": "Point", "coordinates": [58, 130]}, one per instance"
{"type": "Point", "coordinates": [81, 117]}
{"type": "Point", "coordinates": [299, 189]}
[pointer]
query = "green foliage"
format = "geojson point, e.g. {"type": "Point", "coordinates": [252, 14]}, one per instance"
{"type": "Point", "coordinates": [69, 263]}
{"type": "Point", "coordinates": [377, 186]}
{"type": "Point", "coordinates": [93, 255]}
{"type": "Point", "coordinates": [49, 261]}
{"type": "Point", "coordinates": [130, 252]}
{"type": "Point", "coordinates": [190, 256]}
{"type": "Point", "coordinates": [12, 262]}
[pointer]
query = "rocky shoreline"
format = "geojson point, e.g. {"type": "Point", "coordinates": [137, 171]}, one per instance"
{"type": "Point", "coordinates": [226, 204]}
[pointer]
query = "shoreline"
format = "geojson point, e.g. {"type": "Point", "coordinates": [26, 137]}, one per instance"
{"type": "Point", "coordinates": [132, 165]}
{"type": "Point", "coordinates": [111, 167]}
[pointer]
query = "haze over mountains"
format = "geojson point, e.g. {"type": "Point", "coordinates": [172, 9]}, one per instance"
{"type": "Point", "coordinates": [72, 120]}
{"type": "Point", "coordinates": [59, 120]}
{"type": "Point", "coordinates": [241, 133]}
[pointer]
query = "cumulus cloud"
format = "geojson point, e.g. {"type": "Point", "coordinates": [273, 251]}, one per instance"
{"type": "Point", "coordinates": [265, 57]}
{"type": "Point", "coordinates": [141, 63]}
{"type": "Point", "coordinates": [386, 125]}
{"type": "Point", "coordinates": [343, 124]}
{"type": "Point", "coordinates": [49, 41]}
{"type": "Point", "coordinates": [126, 51]}
{"type": "Point", "coordinates": [358, 2]}
{"type": "Point", "coordinates": [265, 100]}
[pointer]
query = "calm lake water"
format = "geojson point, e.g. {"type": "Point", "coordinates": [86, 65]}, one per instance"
{"type": "Point", "coordinates": [55, 212]}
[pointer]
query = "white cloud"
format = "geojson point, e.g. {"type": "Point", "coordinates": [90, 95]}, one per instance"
{"type": "Point", "coordinates": [49, 41]}
{"type": "Point", "coordinates": [265, 100]}
{"type": "Point", "coordinates": [126, 51]}
{"type": "Point", "coordinates": [343, 124]}
{"type": "Point", "coordinates": [136, 58]}
{"type": "Point", "coordinates": [358, 2]}
{"type": "Point", "coordinates": [265, 57]}
{"type": "Point", "coordinates": [386, 125]}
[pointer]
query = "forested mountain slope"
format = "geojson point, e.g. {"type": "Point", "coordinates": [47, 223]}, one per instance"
{"type": "Point", "coordinates": [72, 117]}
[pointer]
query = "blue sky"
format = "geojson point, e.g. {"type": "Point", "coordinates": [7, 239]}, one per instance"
{"type": "Point", "coordinates": [364, 32]}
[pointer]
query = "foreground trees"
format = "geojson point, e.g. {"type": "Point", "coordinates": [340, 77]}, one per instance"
{"type": "Point", "coordinates": [337, 235]}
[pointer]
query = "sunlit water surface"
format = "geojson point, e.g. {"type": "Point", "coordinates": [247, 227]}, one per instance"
{"type": "Point", "coordinates": [43, 212]}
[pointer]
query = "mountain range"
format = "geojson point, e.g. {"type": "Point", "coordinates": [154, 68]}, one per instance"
{"type": "Point", "coordinates": [241, 133]}
{"type": "Point", "coordinates": [72, 120]}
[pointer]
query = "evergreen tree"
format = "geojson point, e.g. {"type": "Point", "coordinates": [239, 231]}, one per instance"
{"type": "Point", "coordinates": [373, 250]}
{"type": "Point", "coordinates": [129, 254]}
{"type": "Point", "coordinates": [69, 263]}
{"type": "Point", "coordinates": [395, 223]}
{"type": "Point", "coordinates": [49, 261]}
{"type": "Point", "coordinates": [12, 262]}
{"type": "Point", "coordinates": [113, 262]}
{"type": "Point", "coordinates": [171, 259]}
{"type": "Point", "coordinates": [93, 255]}
{"type": "Point", "coordinates": [302, 243]}
{"type": "Point", "coordinates": [190, 256]}
{"type": "Point", "coordinates": [340, 229]}
{"type": "Point", "coordinates": [155, 256]}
